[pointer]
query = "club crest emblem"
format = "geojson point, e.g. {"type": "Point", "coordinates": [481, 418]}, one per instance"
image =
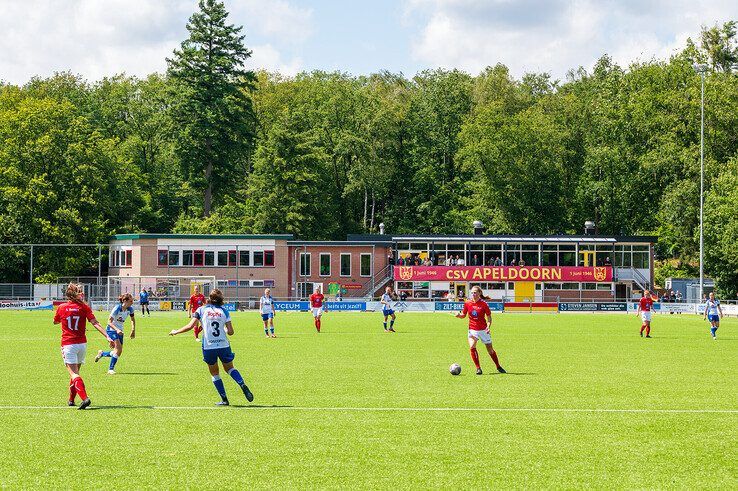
{"type": "Point", "coordinates": [406, 272]}
{"type": "Point", "coordinates": [600, 273]}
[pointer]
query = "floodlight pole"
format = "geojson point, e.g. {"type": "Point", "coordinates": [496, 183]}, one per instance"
{"type": "Point", "coordinates": [701, 69]}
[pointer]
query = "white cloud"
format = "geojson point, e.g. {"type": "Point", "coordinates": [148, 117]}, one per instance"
{"type": "Point", "coordinates": [555, 36]}
{"type": "Point", "coordinates": [97, 38]}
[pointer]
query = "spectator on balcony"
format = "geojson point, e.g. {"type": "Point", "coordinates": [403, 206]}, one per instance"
{"type": "Point", "coordinates": [512, 262]}
{"type": "Point", "coordinates": [608, 262]}
{"type": "Point", "coordinates": [459, 261]}
{"type": "Point", "coordinates": [521, 263]}
{"type": "Point", "coordinates": [498, 261]}
{"type": "Point", "coordinates": [447, 262]}
{"type": "Point", "coordinates": [453, 260]}
{"type": "Point", "coordinates": [400, 261]}
{"type": "Point", "coordinates": [475, 260]}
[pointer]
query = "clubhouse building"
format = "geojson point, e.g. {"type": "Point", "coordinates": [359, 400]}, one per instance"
{"type": "Point", "coordinates": [571, 268]}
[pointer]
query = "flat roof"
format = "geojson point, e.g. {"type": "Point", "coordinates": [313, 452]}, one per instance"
{"type": "Point", "coordinates": [202, 236]}
{"type": "Point", "coordinates": [364, 243]}
{"type": "Point", "coordinates": [509, 238]}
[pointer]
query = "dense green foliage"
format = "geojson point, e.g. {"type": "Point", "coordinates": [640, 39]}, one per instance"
{"type": "Point", "coordinates": [586, 404]}
{"type": "Point", "coordinates": [211, 147]}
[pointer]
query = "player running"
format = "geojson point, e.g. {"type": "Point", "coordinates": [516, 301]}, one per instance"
{"type": "Point", "coordinates": [266, 307]}
{"type": "Point", "coordinates": [645, 308]}
{"type": "Point", "coordinates": [387, 309]}
{"type": "Point", "coordinates": [216, 323]}
{"type": "Point", "coordinates": [197, 300]}
{"type": "Point", "coordinates": [143, 299]}
{"type": "Point", "coordinates": [73, 316]}
{"type": "Point", "coordinates": [316, 305]}
{"type": "Point", "coordinates": [713, 313]}
{"type": "Point", "coordinates": [480, 317]}
{"type": "Point", "coordinates": [117, 318]}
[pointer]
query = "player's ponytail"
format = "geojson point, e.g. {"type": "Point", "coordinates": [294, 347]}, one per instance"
{"type": "Point", "coordinates": [74, 293]}
{"type": "Point", "coordinates": [216, 298]}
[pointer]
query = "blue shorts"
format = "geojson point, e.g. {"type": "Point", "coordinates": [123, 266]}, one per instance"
{"type": "Point", "coordinates": [713, 318]}
{"type": "Point", "coordinates": [114, 335]}
{"type": "Point", "coordinates": [211, 356]}
{"type": "Point", "coordinates": [145, 302]}
{"type": "Point", "coordinates": [266, 317]}
{"type": "Point", "coordinates": [387, 312]}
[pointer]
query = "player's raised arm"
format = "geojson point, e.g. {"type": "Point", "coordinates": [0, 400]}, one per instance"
{"type": "Point", "coordinates": [190, 325]}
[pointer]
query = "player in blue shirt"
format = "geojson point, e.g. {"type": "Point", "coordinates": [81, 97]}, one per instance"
{"type": "Point", "coordinates": [713, 313]}
{"type": "Point", "coordinates": [143, 299]}
{"type": "Point", "coordinates": [216, 323]}
{"type": "Point", "coordinates": [117, 319]}
{"type": "Point", "coordinates": [387, 309]}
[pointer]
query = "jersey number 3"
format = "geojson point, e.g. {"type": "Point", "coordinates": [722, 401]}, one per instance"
{"type": "Point", "coordinates": [216, 329]}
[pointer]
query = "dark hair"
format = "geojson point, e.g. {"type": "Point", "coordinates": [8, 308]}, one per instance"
{"type": "Point", "coordinates": [215, 297]}
{"type": "Point", "coordinates": [124, 297]}
{"type": "Point", "coordinates": [74, 293]}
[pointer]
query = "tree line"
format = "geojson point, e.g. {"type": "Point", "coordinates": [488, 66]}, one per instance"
{"type": "Point", "coordinates": [211, 147]}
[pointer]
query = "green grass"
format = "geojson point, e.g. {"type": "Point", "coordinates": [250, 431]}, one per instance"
{"type": "Point", "coordinates": [565, 361]}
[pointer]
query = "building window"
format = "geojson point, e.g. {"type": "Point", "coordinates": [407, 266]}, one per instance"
{"type": "Point", "coordinates": [244, 258]}
{"type": "Point", "coordinates": [174, 258]}
{"type": "Point", "coordinates": [325, 264]}
{"type": "Point", "coordinates": [305, 264]}
{"type": "Point", "coordinates": [259, 258]}
{"type": "Point", "coordinates": [366, 265]}
{"type": "Point", "coordinates": [232, 258]}
{"type": "Point", "coordinates": [162, 257]}
{"type": "Point", "coordinates": [269, 258]}
{"type": "Point", "coordinates": [209, 258]}
{"type": "Point", "coordinates": [199, 258]}
{"type": "Point", "coordinates": [129, 257]}
{"type": "Point", "coordinates": [345, 264]}
{"type": "Point", "coordinates": [222, 258]}
{"type": "Point", "coordinates": [187, 258]}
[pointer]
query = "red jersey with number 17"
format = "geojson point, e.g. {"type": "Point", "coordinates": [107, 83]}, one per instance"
{"type": "Point", "coordinates": [73, 318]}
{"type": "Point", "coordinates": [646, 304]}
{"type": "Point", "coordinates": [476, 312]}
{"type": "Point", "coordinates": [316, 300]}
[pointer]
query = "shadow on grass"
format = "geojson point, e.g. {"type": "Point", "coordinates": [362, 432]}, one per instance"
{"type": "Point", "coordinates": [146, 373]}
{"type": "Point", "coordinates": [157, 408]}
{"type": "Point", "coordinates": [513, 373]}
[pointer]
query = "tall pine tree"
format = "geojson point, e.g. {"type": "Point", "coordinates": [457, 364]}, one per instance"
{"type": "Point", "coordinates": [213, 113]}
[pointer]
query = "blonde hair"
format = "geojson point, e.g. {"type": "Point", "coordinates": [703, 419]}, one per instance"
{"type": "Point", "coordinates": [74, 293]}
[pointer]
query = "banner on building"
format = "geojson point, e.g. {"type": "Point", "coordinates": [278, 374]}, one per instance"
{"type": "Point", "coordinates": [401, 306]}
{"type": "Point", "coordinates": [595, 274]}
{"type": "Point", "coordinates": [345, 306]}
{"type": "Point", "coordinates": [457, 306]}
{"type": "Point", "coordinates": [26, 305]}
{"type": "Point", "coordinates": [593, 307]}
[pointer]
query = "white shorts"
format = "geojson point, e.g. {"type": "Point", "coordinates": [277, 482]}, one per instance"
{"type": "Point", "coordinates": [482, 336]}
{"type": "Point", "coordinates": [646, 316]}
{"type": "Point", "coordinates": [317, 311]}
{"type": "Point", "coordinates": [74, 353]}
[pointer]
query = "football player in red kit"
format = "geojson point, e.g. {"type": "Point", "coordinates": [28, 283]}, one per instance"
{"type": "Point", "coordinates": [479, 319]}
{"type": "Point", "coordinates": [316, 305]}
{"type": "Point", "coordinates": [645, 307]}
{"type": "Point", "coordinates": [73, 316]}
{"type": "Point", "coordinates": [197, 300]}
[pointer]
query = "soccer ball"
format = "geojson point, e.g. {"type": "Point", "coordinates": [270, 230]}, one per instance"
{"type": "Point", "coordinates": [455, 369]}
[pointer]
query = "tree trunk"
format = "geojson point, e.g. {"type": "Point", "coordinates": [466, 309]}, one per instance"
{"type": "Point", "coordinates": [366, 198]}
{"type": "Point", "coordinates": [208, 191]}
{"type": "Point", "coordinates": [374, 201]}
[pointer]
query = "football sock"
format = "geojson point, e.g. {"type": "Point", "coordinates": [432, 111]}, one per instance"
{"type": "Point", "coordinates": [113, 361]}
{"type": "Point", "coordinates": [475, 356]}
{"type": "Point", "coordinates": [392, 323]}
{"type": "Point", "coordinates": [79, 386]}
{"type": "Point", "coordinates": [317, 324]}
{"type": "Point", "coordinates": [713, 330]}
{"type": "Point", "coordinates": [385, 325]}
{"type": "Point", "coordinates": [72, 390]}
{"type": "Point", "coordinates": [218, 383]}
{"type": "Point", "coordinates": [266, 331]}
{"type": "Point", "coordinates": [105, 354]}
{"type": "Point", "coordinates": [643, 326]}
{"type": "Point", "coordinates": [494, 358]}
{"type": "Point", "coordinates": [236, 376]}
{"type": "Point", "coordinates": [271, 329]}
{"type": "Point", "coordinates": [648, 330]}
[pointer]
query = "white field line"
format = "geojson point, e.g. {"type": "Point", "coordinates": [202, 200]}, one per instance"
{"type": "Point", "coordinates": [402, 409]}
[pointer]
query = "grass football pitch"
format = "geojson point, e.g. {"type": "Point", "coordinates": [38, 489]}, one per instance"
{"type": "Point", "coordinates": [586, 403]}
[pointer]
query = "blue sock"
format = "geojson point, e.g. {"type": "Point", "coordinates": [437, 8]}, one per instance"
{"type": "Point", "coordinates": [236, 376]}
{"type": "Point", "coordinates": [392, 323]}
{"type": "Point", "coordinates": [271, 329]}
{"type": "Point", "coordinates": [385, 325]}
{"type": "Point", "coordinates": [113, 361]}
{"type": "Point", "coordinates": [105, 353]}
{"type": "Point", "coordinates": [713, 330]}
{"type": "Point", "coordinates": [218, 383]}
{"type": "Point", "coordinates": [266, 331]}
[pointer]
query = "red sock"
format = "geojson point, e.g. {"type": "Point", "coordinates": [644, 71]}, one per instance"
{"type": "Point", "coordinates": [79, 386]}
{"type": "Point", "coordinates": [72, 390]}
{"type": "Point", "coordinates": [648, 330]}
{"type": "Point", "coordinates": [317, 324]}
{"type": "Point", "coordinates": [475, 356]}
{"type": "Point", "coordinates": [494, 358]}
{"type": "Point", "coordinates": [643, 326]}
{"type": "Point", "coordinates": [197, 331]}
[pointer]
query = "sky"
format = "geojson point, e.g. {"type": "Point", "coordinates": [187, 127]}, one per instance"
{"type": "Point", "coordinates": [98, 38]}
